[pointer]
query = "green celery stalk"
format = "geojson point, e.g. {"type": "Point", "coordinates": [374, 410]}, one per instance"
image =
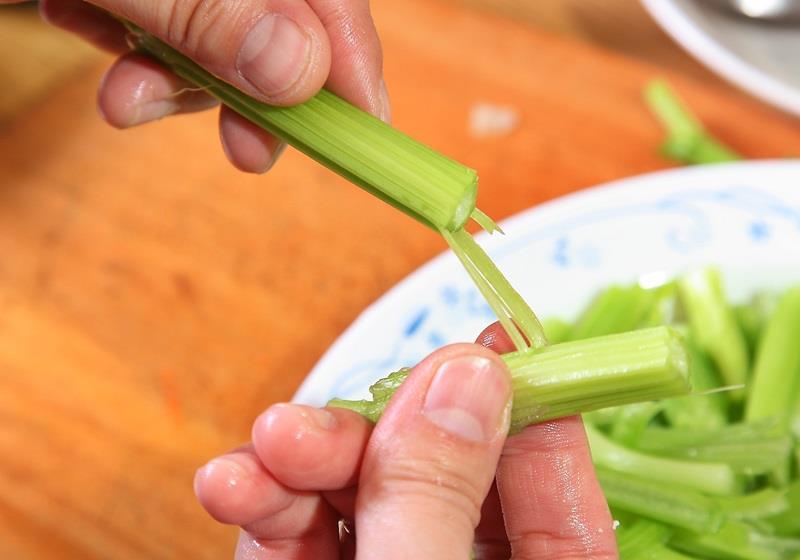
{"type": "Point", "coordinates": [750, 449]}
{"type": "Point", "coordinates": [557, 330]}
{"type": "Point", "coordinates": [616, 309]}
{"type": "Point", "coordinates": [713, 325]}
{"type": "Point", "coordinates": [754, 315]}
{"type": "Point", "coordinates": [574, 377]}
{"type": "Point", "coordinates": [410, 176]}
{"type": "Point", "coordinates": [687, 140]}
{"type": "Point", "coordinates": [761, 504]}
{"type": "Point", "coordinates": [632, 419]}
{"type": "Point", "coordinates": [698, 411]}
{"type": "Point", "coordinates": [736, 541]}
{"type": "Point", "coordinates": [674, 505]}
{"type": "Point", "coordinates": [709, 478]}
{"type": "Point", "coordinates": [640, 537]}
{"type": "Point", "coordinates": [787, 523]}
{"type": "Point", "coordinates": [776, 374]}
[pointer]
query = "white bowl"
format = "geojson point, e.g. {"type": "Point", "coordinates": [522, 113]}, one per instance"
{"type": "Point", "coordinates": [741, 217]}
{"type": "Point", "coordinates": [760, 57]}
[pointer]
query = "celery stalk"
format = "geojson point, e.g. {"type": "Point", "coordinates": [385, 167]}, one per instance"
{"type": "Point", "coordinates": [638, 539]}
{"type": "Point", "coordinates": [713, 325]}
{"type": "Point", "coordinates": [687, 140]}
{"type": "Point", "coordinates": [736, 541]}
{"type": "Point", "coordinates": [776, 375]}
{"type": "Point", "coordinates": [698, 411]}
{"type": "Point", "coordinates": [673, 505]}
{"type": "Point", "coordinates": [410, 176]}
{"type": "Point", "coordinates": [787, 523]}
{"type": "Point", "coordinates": [755, 505]}
{"type": "Point", "coordinates": [616, 309]}
{"type": "Point", "coordinates": [710, 478]}
{"type": "Point", "coordinates": [579, 376]}
{"type": "Point", "coordinates": [750, 449]}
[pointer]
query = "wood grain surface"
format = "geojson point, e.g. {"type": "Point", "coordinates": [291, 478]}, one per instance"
{"type": "Point", "coordinates": [153, 300]}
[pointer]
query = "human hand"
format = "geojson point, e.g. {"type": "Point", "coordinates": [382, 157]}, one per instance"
{"type": "Point", "coordinates": [279, 51]}
{"type": "Point", "coordinates": [419, 484]}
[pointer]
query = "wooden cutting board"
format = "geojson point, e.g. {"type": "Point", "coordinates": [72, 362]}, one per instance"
{"type": "Point", "coordinates": [153, 300]}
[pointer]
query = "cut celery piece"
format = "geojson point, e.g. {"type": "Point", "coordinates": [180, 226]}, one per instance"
{"type": "Point", "coordinates": [776, 374]}
{"type": "Point", "coordinates": [788, 523]}
{"type": "Point", "coordinates": [687, 140]}
{"type": "Point", "coordinates": [750, 449]}
{"type": "Point", "coordinates": [714, 327]}
{"type": "Point", "coordinates": [736, 541]}
{"type": "Point", "coordinates": [410, 176]}
{"type": "Point", "coordinates": [698, 411]}
{"type": "Point", "coordinates": [709, 478]}
{"type": "Point", "coordinates": [631, 420]}
{"type": "Point", "coordinates": [557, 330]}
{"type": "Point", "coordinates": [575, 377]}
{"type": "Point", "coordinates": [755, 505]}
{"type": "Point", "coordinates": [640, 537]}
{"type": "Point", "coordinates": [616, 309]}
{"type": "Point", "coordinates": [673, 505]}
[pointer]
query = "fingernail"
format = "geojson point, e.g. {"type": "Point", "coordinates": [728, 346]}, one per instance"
{"type": "Point", "coordinates": [469, 397]}
{"type": "Point", "coordinates": [274, 55]}
{"type": "Point", "coordinates": [386, 105]}
{"type": "Point", "coordinates": [147, 111]}
{"type": "Point", "coordinates": [317, 417]}
{"type": "Point", "coordinates": [310, 417]}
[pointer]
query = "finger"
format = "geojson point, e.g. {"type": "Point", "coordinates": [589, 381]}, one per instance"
{"type": "Point", "coordinates": [432, 456]}
{"type": "Point", "coordinates": [89, 22]}
{"type": "Point", "coordinates": [356, 59]}
{"type": "Point", "coordinates": [495, 337]}
{"type": "Point", "coordinates": [553, 504]}
{"type": "Point", "coordinates": [279, 522]}
{"type": "Point", "coordinates": [275, 50]}
{"type": "Point", "coordinates": [491, 542]}
{"type": "Point", "coordinates": [136, 90]}
{"type": "Point", "coordinates": [248, 147]}
{"type": "Point", "coordinates": [310, 448]}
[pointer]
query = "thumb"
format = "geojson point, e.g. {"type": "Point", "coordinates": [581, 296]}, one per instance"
{"type": "Point", "coordinates": [432, 457]}
{"type": "Point", "coordinates": [275, 50]}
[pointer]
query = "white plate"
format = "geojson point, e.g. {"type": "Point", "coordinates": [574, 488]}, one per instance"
{"type": "Point", "coordinates": [759, 57]}
{"type": "Point", "coordinates": [743, 217]}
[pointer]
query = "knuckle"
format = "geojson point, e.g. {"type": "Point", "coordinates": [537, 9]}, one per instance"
{"type": "Point", "coordinates": [532, 544]}
{"type": "Point", "coordinates": [423, 480]}
{"type": "Point", "coordinates": [201, 26]}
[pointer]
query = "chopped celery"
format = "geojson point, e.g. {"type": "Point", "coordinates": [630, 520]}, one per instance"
{"type": "Point", "coordinates": [617, 309]}
{"type": "Point", "coordinates": [687, 140]}
{"type": "Point", "coordinates": [787, 523]}
{"type": "Point", "coordinates": [736, 541]}
{"type": "Point", "coordinates": [574, 377]}
{"type": "Point", "coordinates": [756, 505]}
{"type": "Point", "coordinates": [713, 325]}
{"type": "Point", "coordinates": [776, 374]}
{"type": "Point", "coordinates": [636, 540]}
{"type": "Point", "coordinates": [747, 448]}
{"type": "Point", "coordinates": [698, 411]}
{"type": "Point", "coordinates": [673, 505]}
{"type": "Point", "coordinates": [412, 177]}
{"type": "Point", "coordinates": [631, 420]}
{"type": "Point", "coordinates": [710, 478]}
{"type": "Point", "coordinates": [753, 316]}
{"type": "Point", "coordinates": [557, 330]}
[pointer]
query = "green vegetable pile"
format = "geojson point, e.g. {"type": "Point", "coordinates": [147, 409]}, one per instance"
{"type": "Point", "coordinates": [715, 474]}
